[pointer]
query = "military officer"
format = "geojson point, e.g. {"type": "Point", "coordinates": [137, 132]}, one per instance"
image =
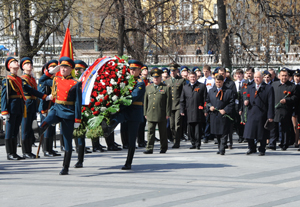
{"type": "Point", "coordinates": [157, 109]}
{"type": "Point", "coordinates": [220, 102]}
{"type": "Point", "coordinates": [132, 114]}
{"type": "Point", "coordinates": [12, 107]}
{"type": "Point", "coordinates": [80, 67]}
{"type": "Point", "coordinates": [31, 93]}
{"type": "Point", "coordinates": [67, 108]}
{"type": "Point", "coordinates": [192, 101]}
{"type": "Point", "coordinates": [165, 74]}
{"type": "Point", "coordinates": [197, 71]}
{"type": "Point", "coordinates": [175, 82]}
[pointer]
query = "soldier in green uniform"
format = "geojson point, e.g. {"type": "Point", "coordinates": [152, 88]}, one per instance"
{"type": "Point", "coordinates": [175, 82]}
{"type": "Point", "coordinates": [157, 109]}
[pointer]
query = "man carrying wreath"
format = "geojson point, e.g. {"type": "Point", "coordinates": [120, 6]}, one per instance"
{"type": "Point", "coordinates": [260, 103]}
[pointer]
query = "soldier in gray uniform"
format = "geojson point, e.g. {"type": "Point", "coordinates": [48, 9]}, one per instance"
{"type": "Point", "coordinates": [157, 109]}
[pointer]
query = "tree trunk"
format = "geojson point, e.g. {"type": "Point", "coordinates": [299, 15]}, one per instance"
{"type": "Point", "coordinates": [24, 30]}
{"type": "Point", "coordinates": [223, 34]}
{"type": "Point", "coordinates": [121, 25]}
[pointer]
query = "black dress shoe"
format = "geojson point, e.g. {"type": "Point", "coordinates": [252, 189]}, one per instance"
{"type": "Point", "coordinates": [33, 145]}
{"type": "Point", "coordinates": [271, 148]}
{"type": "Point", "coordinates": [78, 165]}
{"type": "Point", "coordinates": [218, 152]}
{"type": "Point", "coordinates": [28, 156]}
{"type": "Point", "coordinates": [126, 167]}
{"type": "Point", "coordinates": [142, 145]}
{"type": "Point", "coordinates": [148, 152]}
{"type": "Point", "coordinates": [198, 147]}
{"type": "Point", "coordinates": [64, 171]}
{"type": "Point", "coordinates": [298, 149]}
{"type": "Point", "coordinates": [283, 148]}
{"type": "Point", "coordinates": [205, 141]}
{"type": "Point", "coordinates": [12, 157]}
{"type": "Point", "coordinates": [117, 145]}
{"type": "Point", "coordinates": [240, 140]}
{"type": "Point", "coordinates": [48, 154]}
{"type": "Point", "coordinates": [249, 152]}
{"type": "Point", "coordinates": [193, 147]}
{"type": "Point", "coordinates": [113, 148]}
{"type": "Point", "coordinates": [176, 146]}
{"type": "Point", "coordinates": [222, 153]}
{"type": "Point", "coordinates": [102, 146]}
{"type": "Point", "coordinates": [125, 146]}
{"type": "Point", "coordinates": [157, 140]}
{"type": "Point", "coordinates": [162, 151]}
{"type": "Point", "coordinates": [261, 154]}
{"type": "Point", "coordinates": [230, 147]}
{"type": "Point", "coordinates": [98, 149]}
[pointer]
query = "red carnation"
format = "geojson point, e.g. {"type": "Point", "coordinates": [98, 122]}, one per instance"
{"type": "Point", "coordinates": [285, 92]}
{"type": "Point", "coordinates": [97, 104]}
{"type": "Point", "coordinates": [104, 92]}
{"type": "Point", "coordinates": [113, 76]}
{"type": "Point", "coordinates": [119, 80]}
{"type": "Point", "coordinates": [94, 93]}
{"type": "Point", "coordinates": [92, 100]}
{"type": "Point", "coordinates": [108, 104]}
{"type": "Point", "coordinates": [289, 93]}
{"type": "Point", "coordinates": [83, 108]}
{"type": "Point", "coordinates": [90, 105]}
{"type": "Point", "coordinates": [96, 112]}
{"type": "Point", "coordinates": [95, 87]}
{"type": "Point", "coordinates": [248, 95]}
{"type": "Point", "coordinates": [98, 78]}
{"type": "Point", "coordinates": [200, 107]}
{"type": "Point", "coordinates": [93, 109]}
{"type": "Point", "coordinates": [110, 85]}
{"type": "Point", "coordinates": [101, 100]}
{"type": "Point", "coordinates": [115, 90]}
{"type": "Point", "coordinates": [244, 92]}
{"type": "Point", "coordinates": [205, 104]}
{"type": "Point", "coordinates": [106, 97]}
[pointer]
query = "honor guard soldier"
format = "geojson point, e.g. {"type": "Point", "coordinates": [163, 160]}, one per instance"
{"type": "Point", "coordinates": [157, 109]}
{"type": "Point", "coordinates": [175, 82]}
{"type": "Point", "coordinates": [43, 109]}
{"type": "Point", "coordinates": [30, 93]}
{"type": "Point", "coordinates": [12, 107]}
{"type": "Point", "coordinates": [165, 74]}
{"type": "Point", "coordinates": [67, 93]}
{"type": "Point", "coordinates": [132, 114]}
{"type": "Point", "coordinates": [80, 67]}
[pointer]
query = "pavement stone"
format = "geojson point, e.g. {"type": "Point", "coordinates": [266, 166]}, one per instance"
{"type": "Point", "coordinates": [181, 177]}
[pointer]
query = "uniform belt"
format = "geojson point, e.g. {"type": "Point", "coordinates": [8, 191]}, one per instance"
{"type": "Point", "coordinates": [15, 96]}
{"type": "Point", "coordinates": [65, 102]}
{"type": "Point", "coordinates": [30, 97]}
{"type": "Point", "coordinates": [137, 103]}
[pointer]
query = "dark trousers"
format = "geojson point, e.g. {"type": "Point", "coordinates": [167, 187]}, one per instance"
{"type": "Point", "coordinates": [27, 132]}
{"type": "Point", "coordinates": [12, 126]}
{"type": "Point", "coordinates": [169, 132]}
{"type": "Point", "coordinates": [207, 134]}
{"type": "Point", "coordinates": [252, 144]}
{"type": "Point", "coordinates": [195, 133]}
{"type": "Point", "coordinates": [132, 132]}
{"type": "Point", "coordinates": [124, 133]}
{"type": "Point", "coordinates": [67, 127]}
{"type": "Point", "coordinates": [141, 132]}
{"type": "Point", "coordinates": [162, 135]}
{"type": "Point", "coordinates": [110, 140]}
{"type": "Point", "coordinates": [176, 125]}
{"type": "Point", "coordinates": [285, 133]}
{"type": "Point", "coordinates": [49, 133]}
{"type": "Point", "coordinates": [222, 139]}
{"type": "Point", "coordinates": [238, 126]}
{"type": "Point", "coordinates": [184, 125]}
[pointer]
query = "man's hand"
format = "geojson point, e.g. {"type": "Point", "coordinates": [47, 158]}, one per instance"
{"type": "Point", "coordinates": [49, 98]}
{"type": "Point", "coordinates": [222, 111]}
{"type": "Point", "coordinates": [76, 125]}
{"type": "Point", "coordinates": [146, 117]}
{"type": "Point", "coordinates": [167, 117]}
{"type": "Point", "coordinates": [212, 108]}
{"type": "Point", "coordinates": [205, 114]}
{"type": "Point", "coordinates": [182, 114]}
{"type": "Point", "coordinates": [5, 117]}
{"type": "Point", "coordinates": [246, 102]}
{"type": "Point", "coordinates": [54, 70]}
{"type": "Point", "coordinates": [271, 120]}
{"type": "Point", "coordinates": [282, 101]}
{"type": "Point", "coordinates": [240, 113]}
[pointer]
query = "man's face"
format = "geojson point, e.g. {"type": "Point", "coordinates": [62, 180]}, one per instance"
{"type": "Point", "coordinates": [222, 73]}
{"type": "Point", "coordinates": [198, 74]}
{"type": "Point", "coordinates": [145, 73]}
{"type": "Point", "coordinates": [206, 72]}
{"type": "Point", "coordinates": [14, 67]}
{"type": "Point", "coordinates": [219, 83]}
{"type": "Point", "coordinates": [173, 73]}
{"type": "Point", "coordinates": [267, 78]}
{"type": "Point", "coordinates": [297, 79]}
{"type": "Point", "coordinates": [157, 80]}
{"type": "Point", "coordinates": [250, 75]}
{"type": "Point", "coordinates": [135, 72]}
{"type": "Point", "coordinates": [65, 70]}
{"type": "Point", "coordinates": [77, 72]}
{"type": "Point", "coordinates": [165, 76]}
{"type": "Point", "coordinates": [284, 76]}
{"type": "Point", "coordinates": [27, 67]}
{"type": "Point", "coordinates": [192, 78]}
{"type": "Point", "coordinates": [227, 74]}
{"type": "Point", "coordinates": [258, 78]}
{"type": "Point", "coordinates": [272, 74]}
{"type": "Point", "coordinates": [184, 74]}
{"type": "Point", "coordinates": [239, 76]}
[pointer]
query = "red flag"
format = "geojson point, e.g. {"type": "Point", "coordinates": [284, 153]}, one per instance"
{"type": "Point", "coordinates": [67, 49]}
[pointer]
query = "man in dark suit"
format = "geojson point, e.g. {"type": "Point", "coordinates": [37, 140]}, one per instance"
{"type": "Point", "coordinates": [285, 98]}
{"type": "Point", "coordinates": [296, 114]}
{"type": "Point", "coordinates": [220, 103]}
{"type": "Point", "coordinates": [273, 75]}
{"type": "Point", "coordinates": [231, 85]}
{"type": "Point", "coordinates": [192, 103]}
{"type": "Point", "coordinates": [260, 106]}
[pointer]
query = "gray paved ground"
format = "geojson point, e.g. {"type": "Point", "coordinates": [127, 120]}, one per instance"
{"type": "Point", "coordinates": [181, 177]}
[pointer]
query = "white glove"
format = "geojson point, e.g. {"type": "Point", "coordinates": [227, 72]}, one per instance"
{"type": "Point", "coordinates": [49, 98]}
{"type": "Point", "coordinates": [54, 70]}
{"type": "Point", "coordinates": [5, 117]}
{"type": "Point", "coordinates": [76, 125]}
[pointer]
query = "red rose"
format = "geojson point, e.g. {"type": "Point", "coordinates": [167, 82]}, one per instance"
{"type": "Point", "coordinates": [126, 82]}
{"type": "Point", "coordinates": [95, 87]}
{"type": "Point", "coordinates": [116, 70]}
{"type": "Point", "coordinates": [244, 92]}
{"type": "Point", "coordinates": [106, 97]}
{"type": "Point", "coordinates": [99, 88]}
{"type": "Point", "coordinates": [90, 105]}
{"type": "Point", "coordinates": [104, 92]}
{"type": "Point", "coordinates": [248, 95]}
{"type": "Point", "coordinates": [119, 79]}
{"type": "Point", "coordinates": [83, 108]}
{"type": "Point", "coordinates": [93, 109]}
{"type": "Point", "coordinates": [205, 104]}
{"type": "Point", "coordinates": [101, 100]}
{"type": "Point", "coordinates": [97, 104]}
{"type": "Point", "coordinates": [113, 76]}
{"type": "Point", "coordinates": [108, 104]}
{"type": "Point", "coordinates": [98, 78]}
{"type": "Point", "coordinates": [128, 70]}
{"type": "Point", "coordinates": [102, 76]}
{"type": "Point", "coordinates": [110, 85]}
{"type": "Point", "coordinates": [96, 112]}
{"type": "Point", "coordinates": [200, 107]}
{"type": "Point", "coordinates": [94, 93]}
{"type": "Point", "coordinates": [124, 72]}
{"type": "Point", "coordinates": [92, 100]}
{"type": "Point", "coordinates": [115, 90]}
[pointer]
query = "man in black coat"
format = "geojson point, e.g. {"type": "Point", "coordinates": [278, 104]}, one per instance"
{"type": "Point", "coordinates": [231, 85]}
{"type": "Point", "coordinates": [220, 103]}
{"type": "Point", "coordinates": [260, 104]}
{"type": "Point", "coordinates": [285, 99]}
{"type": "Point", "coordinates": [192, 101]}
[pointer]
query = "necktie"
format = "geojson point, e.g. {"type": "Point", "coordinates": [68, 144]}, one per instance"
{"type": "Point", "coordinates": [257, 87]}
{"type": "Point", "coordinates": [173, 79]}
{"type": "Point", "coordinates": [240, 85]}
{"type": "Point", "coordinates": [205, 81]}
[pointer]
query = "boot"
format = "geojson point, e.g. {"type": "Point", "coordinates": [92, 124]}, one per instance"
{"type": "Point", "coordinates": [96, 146]}
{"type": "Point", "coordinates": [128, 162]}
{"type": "Point", "coordinates": [47, 152]}
{"type": "Point", "coordinates": [50, 143]}
{"type": "Point", "coordinates": [66, 163]}
{"type": "Point", "coordinates": [76, 144]}
{"type": "Point", "coordinates": [26, 149]}
{"type": "Point", "coordinates": [62, 145]}
{"type": "Point", "coordinates": [81, 149]}
{"type": "Point", "coordinates": [14, 149]}
{"type": "Point", "coordinates": [9, 150]}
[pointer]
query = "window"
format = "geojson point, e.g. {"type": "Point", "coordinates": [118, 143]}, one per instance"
{"type": "Point", "coordinates": [80, 23]}
{"type": "Point", "coordinates": [173, 13]}
{"type": "Point", "coordinates": [200, 12]}
{"type": "Point", "coordinates": [216, 11]}
{"type": "Point", "coordinates": [186, 12]}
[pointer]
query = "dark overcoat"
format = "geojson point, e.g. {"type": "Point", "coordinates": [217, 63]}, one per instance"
{"type": "Point", "coordinates": [242, 98]}
{"type": "Point", "coordinates": [260, 108]}
{"type": "Point", "coordinates": [192, 100]}
{"type": "Point", "coordinates": [220, 125]}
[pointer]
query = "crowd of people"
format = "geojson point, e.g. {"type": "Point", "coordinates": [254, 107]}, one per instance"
{"type": "Point", "coordinates": [195, 105]}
